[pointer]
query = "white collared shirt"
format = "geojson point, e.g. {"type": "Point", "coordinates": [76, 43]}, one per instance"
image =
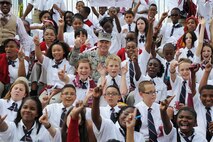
{"type": "Point", "coordinates": [54, 113]}
{"type": "Point", "coordinates": [13, 71]}
{"type": "Point", "coordinates": [52, 73]}
{"type": "Point", "coordinates": [201, 114]}
{"type": "Point", "coordinates": [143, 108]}
{"type": "Point", "coordinates": [4, 105]}
{"type": "Point", "coordinates": [15, 133]}
{"type": "Point", "coordinates": [172, 136]}
{"type": "Point", "coordinates": [165, 31]}
{"type": "Point", "coordinates": [80, 93]}
{"type": "Point", "coordinates": [141, 44]}
{"type": "Point", "coordinates": [184, 52]}
{"type": "Point", "coordinates": [109, 130]}
{"type": "Point", "coordinates": [108, 83]}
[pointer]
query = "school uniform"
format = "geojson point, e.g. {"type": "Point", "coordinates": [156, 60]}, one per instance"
{"type": "Point", "coordinates": [115, 42]}
{"type": "Point", "coordinates": [187, 53]}
{"type": "Point", "coordinates": [145, 4]}
{"type": "Point", "coordinates": [171, 33]}
{"type": "Point", "coordinates": [160, 87]}
{"type": "Point", "coordinates": [196, 136]}
{"type": "Point", "coordinates": [16, 133]}
{"type": "Point", "coordinates": [109, 130]}
{"type": "Point", "coordinates": [5, 108]}
{"type": "Point", "coordinates": [13, 69]}
{"type": "Point", "coordinates": [53, 80]}
{"type": "Point", "coordinates": [176, 90]}
{"type": "Point", "coordinates": [141, 41]}
{"type": "Point", "coordinates": [143, 109]}
{"type": "Point", "coordinates": [109, 82]}
{"type": "Point", "coordinates": [201, 70]}
{"type": "Point", "coordinates": [81, 91]}
{"type": "Point", "coordinates": [129, 27]}
{"type": "Point", "coordinates": [201, 114]}
{"type": "Point", "coordinates": [55, 111]}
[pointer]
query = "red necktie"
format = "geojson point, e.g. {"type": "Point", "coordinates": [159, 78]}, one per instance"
{"type": "Point", "coordinates": [179, 2]}
{"type": "Point", "coordinates": [147, 1]}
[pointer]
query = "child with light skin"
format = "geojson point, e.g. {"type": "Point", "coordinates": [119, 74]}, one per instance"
{"type": "Point", "coordinates": [113, 67]}
{"type": "Point", "coordinates": [141, 31]}
{"type": "Point", "coordinates": [54, 62]}
{"type": "Point", "coordinates": [184, 84]}
{"type": "Point", "coordinates": [186, 122]}
{"type": "Point", "coordinates": [204, 50]}
{"type": "Point", "coordinates": [114, 131]}
{"type": "Point", "coordinates": [81, 80]}
{"type": "Point", "coordinates": [188, 51]}
{"type": "Point", "coordinates": [55, 110]}
{"type": "Point", "coordinates": [11, 102]}
{"type": "Point", "coordinates": [147, 105]}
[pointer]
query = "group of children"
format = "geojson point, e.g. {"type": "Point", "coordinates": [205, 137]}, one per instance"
{"type": "Point", "coordinates": [144, 80]}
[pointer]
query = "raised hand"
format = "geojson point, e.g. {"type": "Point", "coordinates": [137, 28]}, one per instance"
{"type": "Point", "coordinates": [78, 42]}
{"type": "Point", "coordinates": [62, 73]}
{"type": "Point", "coordinates": [77, 109]}
{"type": "Point", "coordinates": [21, 54]}
{"type": "Point", "coordinates": [61, 22]}
{"type": "Point", "coordinates": [173, 66]}
{"type": "Point", "coordinates": [202, 21]}
{"type": "Point", "coordinates": [97, 93]}
{"type": "Point", "coordinates": [130, 119]}
{"type": "Point", "coordinates": [44, 119]}
{"type": "Point", "coordinates": [124, 69]}
{"type": "Point", "coordinates": [164, 15]}
{"type": "Point", "coordinates": [164, 104]}
{"type": "Point", "coordinates": [208, 66]}
{"type": "Point", "coordinates": [36, 41]}
{"type": "Point", "coordinates": [101, 69]}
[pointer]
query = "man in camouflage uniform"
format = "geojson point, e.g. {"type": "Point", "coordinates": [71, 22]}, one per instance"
{"type": "Point", "coordinates": [96, 56]}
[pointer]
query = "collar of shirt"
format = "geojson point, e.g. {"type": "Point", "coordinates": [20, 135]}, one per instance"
{"type": "Point", "coordinates": [18, 102]}
{"type": "Point", "coordinates": [7, 15]}
{"type": "Point", "coordinates": [67, 108]}
{"type": "Point", "coordinates": [110, 78]}
{"type": "Point", "coordinates": [22, 124]}
{"type": "Point", "coordinates": [115, 107]}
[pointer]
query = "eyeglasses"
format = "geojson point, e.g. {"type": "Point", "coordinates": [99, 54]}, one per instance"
{"type": "Point", "coordinates": [5, 2]}
{"type": "Point", "coordinates": [67, 93]}
{"type": "Point", "coordinates": [151, 93]}
{"type": "Point", "coordinates": [112, 94]}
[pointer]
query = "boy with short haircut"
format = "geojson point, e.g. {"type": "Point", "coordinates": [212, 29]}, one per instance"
{"type": "Point", "coordinates": [85, 11]}
{"type": "Point", "coordinates": [204, 105]}
{"type": "Point", "coordinates": [79, 5]}
{"type": "Point", "coordinates": [129, 19]}
{"type": "Point", "coordinates": [151, 119]}
{"type": "Point", "coordinates": [57, 111]}
{"type": "Point", "coordinates": [113, 67]}
{"type": "Point", "coordinates": [181, 87]}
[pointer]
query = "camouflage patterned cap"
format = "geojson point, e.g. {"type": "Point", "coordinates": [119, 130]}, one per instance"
{"type": "Point", "coordinates": [104, 36]}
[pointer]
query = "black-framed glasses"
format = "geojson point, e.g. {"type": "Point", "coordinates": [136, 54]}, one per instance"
{"type": "Point", "coordinates": [151, 93]}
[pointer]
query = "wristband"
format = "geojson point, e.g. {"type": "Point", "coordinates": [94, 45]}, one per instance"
{"type": "Point", "coordinates": [48, 127]}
